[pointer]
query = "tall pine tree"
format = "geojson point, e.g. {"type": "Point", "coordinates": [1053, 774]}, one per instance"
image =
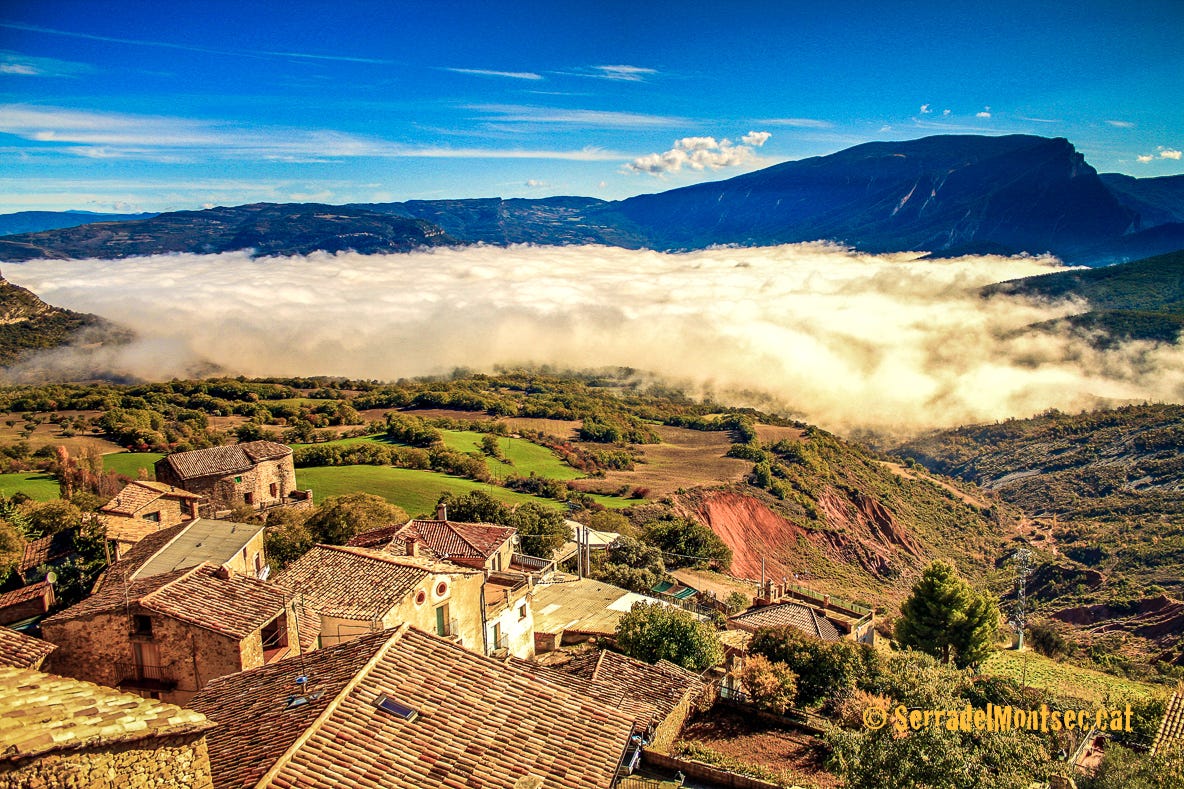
{"type": "Point", "coordinates": [946, 618]}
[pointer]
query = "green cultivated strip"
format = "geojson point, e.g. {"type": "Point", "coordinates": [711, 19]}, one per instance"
{"type": "Point", "coordinates": [414, 490]}
{"type": "Point", "coordinates": [129, 463]}
{"type": "Point", "coordinates": [36, 485]}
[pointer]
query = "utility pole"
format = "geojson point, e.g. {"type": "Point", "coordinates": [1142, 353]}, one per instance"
{"type": "Point", "coordinates": [1019, 615]}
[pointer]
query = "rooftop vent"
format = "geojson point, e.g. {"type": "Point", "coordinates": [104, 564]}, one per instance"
{"type": "Point", "coordinates": [395, 708]}
{"type": "Point", "coordinates": [300, 701]}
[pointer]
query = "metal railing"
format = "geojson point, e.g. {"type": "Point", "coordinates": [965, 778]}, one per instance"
{"type": "Point", "coordinates": [132, 673]}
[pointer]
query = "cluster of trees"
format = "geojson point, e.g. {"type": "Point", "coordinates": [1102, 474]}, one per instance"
{"type": "Point", "coordinates": [653, 632]}
{"type": "Point", "coordinates": [23, 520]}
{"type": "Point", "coordinates": [541, 530]}
{"type": "Point", "coordinates": [946, 618]}
{"type": "Point", "coordinates": [291, 533]}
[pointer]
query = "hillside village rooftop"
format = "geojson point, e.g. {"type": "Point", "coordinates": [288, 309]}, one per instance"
{"type": "Point", "coordinates": [404, 709]}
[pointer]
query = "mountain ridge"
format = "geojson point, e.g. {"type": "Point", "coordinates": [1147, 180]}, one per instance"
{"type": "Point", "coordinates": [1010, 193]}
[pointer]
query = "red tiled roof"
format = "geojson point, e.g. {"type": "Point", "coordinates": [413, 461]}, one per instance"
{"type": "Point", "coordinates": [452, 540]}
{"type": "Point", "coordinates": [255, 726]}
{"type": "Point", "coordinates": [235, 606]}
{"type": "Point", "coordinates": [349, 582]}
{"type": "Point", "coordinates": [46, 549]}
{"type": "Point", "coordinates": [220, 461]}
{"type": "Point", "coordinates": [796, 615]}
{"type": "Point", "coordinates": [481, 723]}
{"type": "Point", "coordinates": [137, 495]}
{"type": "Point", "coordinates": [21, 651]}
{"type": "Point", "coordinates": [1171, 728]}
{"type": "Point", "coordinates": [24, 594]}
{"type": "Point", "coordinates": [662, 684]}
{"type": "Point", "coordinates": [376, 538]}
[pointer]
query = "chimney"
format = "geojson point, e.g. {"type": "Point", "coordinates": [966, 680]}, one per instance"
{"type": "Point", "coordinates": [441, 512]}
{"type": "Point", "coordinates": [412, 546]}
{"type": "Point", "coordinates": [224, 572]}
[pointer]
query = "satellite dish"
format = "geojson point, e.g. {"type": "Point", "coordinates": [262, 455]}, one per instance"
{"type": "Point", "coordinates": [51, 577]}
{"type": "Point", "coordinates": [514, 540]}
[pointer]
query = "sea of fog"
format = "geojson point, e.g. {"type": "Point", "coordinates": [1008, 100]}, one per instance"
{"type": "Point", "coordinates": [843, 339]}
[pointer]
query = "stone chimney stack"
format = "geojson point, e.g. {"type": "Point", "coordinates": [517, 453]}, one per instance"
{"type": "Point", "coordinates": [411, 546]}
{"type": "Point", "coordinates": [441, 512]}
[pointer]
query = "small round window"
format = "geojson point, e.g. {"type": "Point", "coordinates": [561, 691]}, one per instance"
{"type": "Point", "coordinates": [421, 597]}
{"type": "Point", "coordinates": [441, 589]}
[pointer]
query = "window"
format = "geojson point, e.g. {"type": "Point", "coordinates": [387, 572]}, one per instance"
{"type": "Point", "coordinates": [442, 622]}
{"type": "Point", "coordinates": [521, 612]}
{"type": "Point", "coordinates": [238, 480]}
{"type": "Point", "coordinates": [441, 589]}
{"type": "Point", "coordinates": [141, 625]}
{"type": "Point", "coordinates": [152, 516]}
{"type": "Point", "coordinates": [497, 635]}
{"type": "Point", "coordinates": [249, 498]}
{"type": "Point", "coordinates": [274, 636]}
{"type": "Point", "coordinates": [497, 562]}
{"type": "Point", "coordinates": [273, 490]}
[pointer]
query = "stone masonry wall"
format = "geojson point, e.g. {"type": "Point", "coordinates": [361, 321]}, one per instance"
{"type": "Point", "coordinates": [158, 763]}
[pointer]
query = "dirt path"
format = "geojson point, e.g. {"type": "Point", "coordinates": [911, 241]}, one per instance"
{"type": "Point", "coordinates": [961, 495]}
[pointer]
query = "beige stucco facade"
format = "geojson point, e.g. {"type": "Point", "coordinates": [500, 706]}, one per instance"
{"type": "Point", "coordinates": [454, 598]}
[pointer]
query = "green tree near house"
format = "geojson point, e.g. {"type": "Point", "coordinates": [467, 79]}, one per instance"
{"type": "Point", "coordinates": [945, 617]}
{"type": "Point", "coordinates": [653, 632]}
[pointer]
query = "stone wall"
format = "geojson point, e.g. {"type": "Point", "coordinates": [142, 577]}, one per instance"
{"type": "Point", "coordinates": [156, 763]}
{"type": "Point", "coordinates": [190, 656]}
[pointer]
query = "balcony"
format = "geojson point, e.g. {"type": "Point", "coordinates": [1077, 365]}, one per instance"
{"type": "Point", "coordinates": [143, 676]}
{"type": "Point", "coordinates": [451, 631]}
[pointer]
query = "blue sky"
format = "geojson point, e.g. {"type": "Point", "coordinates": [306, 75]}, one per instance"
{"type": "Point", "coordinates": [169, 105]}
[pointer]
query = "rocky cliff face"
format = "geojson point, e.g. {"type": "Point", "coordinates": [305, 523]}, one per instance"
{"type": "Point", "coordinates": [28, 324]}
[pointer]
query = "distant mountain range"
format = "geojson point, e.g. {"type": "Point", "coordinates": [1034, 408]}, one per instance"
{"type": "Point", "coordinates": [36, 221]}
{"type": "Point", "coordinates": [945, 194]}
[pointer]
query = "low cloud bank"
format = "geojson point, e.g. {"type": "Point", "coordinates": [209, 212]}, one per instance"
{"type": "Point", "coordinates": [845, 340]}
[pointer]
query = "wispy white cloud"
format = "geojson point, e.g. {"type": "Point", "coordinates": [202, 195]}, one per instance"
{"type": "Point", "coordinates": [800, 123]}
{"type": "Point", "coordinates": [534, 183]}
{"type": "Point", "coordinates": [623, 73]}
{"type": "Point", "coordinates": [1144, 158]}
{"type": "Point", "coordinates": [1121, 124]}
{"type": "Point", "coordinates": [163, 138]}
{"type": "Point", "coordinates": [700, 153]}
{"type": "Point", "coordinates": [481, 72]}
{"type": "Point", "coordinates": [945, 113]}
{"type": "Point", "coordinates": [17, 64]}
{"type": "Point", "coordinates": [191, 48]}
{"type": "Point", "coordinates": [606, 119]}
{"type": "Point", "coordinates": [1170, 153]}
{"type": "Point", "coordinates": [985, 113]}
{"type": "Point", "coordinates": [1037, 120]}
{"type": "Point", "coordinates": [925, 109]}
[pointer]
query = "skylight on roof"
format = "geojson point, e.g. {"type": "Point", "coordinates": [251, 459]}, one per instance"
{"type": "Point", "coordinates": [398, 709]}
{"type": "Point", "coordinates": [300, 701]}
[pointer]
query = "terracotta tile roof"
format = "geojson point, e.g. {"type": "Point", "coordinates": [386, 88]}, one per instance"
{"type": "Point", "coordinates": [235, 606]}
{"type": "Point", "coordinates": [1171, 729]}
{"type": "Point", "coordinates": [661, 684]}
{"type": "Point", "coordinates": [24, 594]}
{"type": "Point", "coordinates": [453, 540]}
{"type": "Point", "coordinates": [376, 538]}
{"type": "Point", "coordinates": [481, 723]}
{"type": "Point", "coordinates": [42, 713]}
{"type": "Point", "coordinates": [138, 494]}
{"type": "Point", "coordinates": [255, 726]}
{"type": "Point", "coordinates": [796, 615]}
{"type": "Point", "coordinates": [21, 651]}
{"type": "Point", "coordinates": [46, 549]}
{"type": "Point", "coordinates": [220, 461]}
{"type": "Point", "coordinates": [351, 583]}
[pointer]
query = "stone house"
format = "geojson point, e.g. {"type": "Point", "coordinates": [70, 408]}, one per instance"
{"type": "Point", "coordinates": [143, 507]}
{"type": "Point", "coordinates": [56, 731]}
{"type": "Point", "coordinates": [359, 590]}
{"type": "Point", "coordinates": [406, 709]}
{"type": "Point", "coordinates": [258, 474]}
{"type": "Point", "coordinates": [167, 635]}
{"type": "Point", "coordinates": [815, 614]}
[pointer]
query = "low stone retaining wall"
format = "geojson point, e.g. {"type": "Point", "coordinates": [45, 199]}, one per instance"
{"type": "Point", "coordinates": [703, 772]}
